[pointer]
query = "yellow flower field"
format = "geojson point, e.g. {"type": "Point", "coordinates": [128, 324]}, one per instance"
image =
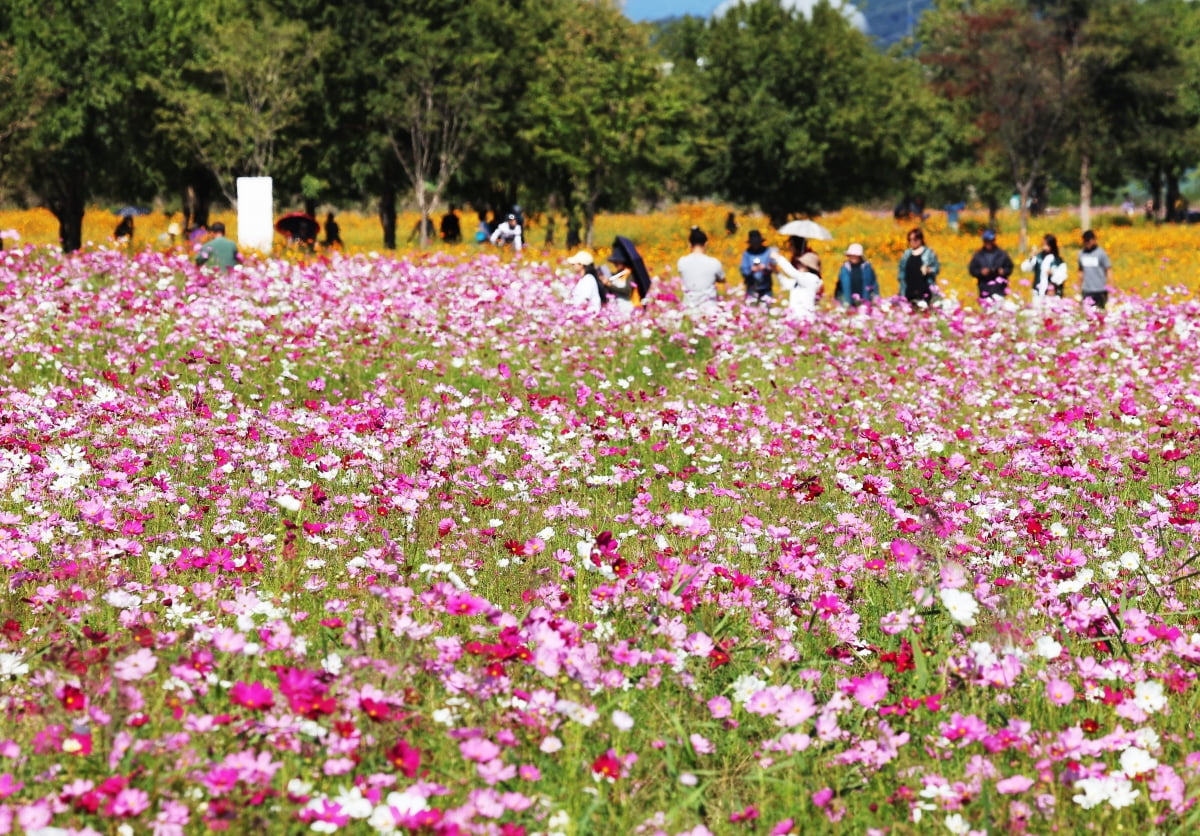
{"type": "Point", "coordinates": [1148, 258]}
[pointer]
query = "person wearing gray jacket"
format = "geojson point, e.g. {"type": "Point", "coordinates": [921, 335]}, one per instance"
{"type": "Point", "coordinates": [1095, 270]}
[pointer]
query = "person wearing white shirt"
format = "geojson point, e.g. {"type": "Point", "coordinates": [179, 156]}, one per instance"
{"type": "Point", "coordinates": [508, 232]}
{"type": "Point", "coordinates": [1048, 268]}
{"type": "Point", "coordinates": [585, 295]}
{"type": "Point", "coordinates": [801, 283]}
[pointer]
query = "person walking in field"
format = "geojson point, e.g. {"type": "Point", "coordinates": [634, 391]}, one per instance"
{"type": "Point", "coordinates": [990, 267]}
{"type": "Point", "coordinates": [1048, 268]}
{"type": "Point", "coordinates": [919, 268]}
{"type": "Point", "coordinates": [1095, 271]}
{"type": "Point", "coordinates": [700, 274]}
{"type": "Point", "coordinates": [857, 282]}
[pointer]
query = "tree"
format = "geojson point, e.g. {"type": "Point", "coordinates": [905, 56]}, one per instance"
{"type": "Point", "coordinates": [237, 106]}
{"type": "Point", "coordinates": [805, 114]}
{"type": "Point", "coordinates": [75, 111]}
{"type": "Point", "coordinates": [429, 105]}
{"type": "Point", "coordinates": [604, 115]}
{"type": "Point", "coordinates": [1019, 74]}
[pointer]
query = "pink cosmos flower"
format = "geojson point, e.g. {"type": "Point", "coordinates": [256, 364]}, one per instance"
{"type": "Point", "coordinates": [129, 803]}
{"type": "Point", "coordinates": [9, 785]}
{"type": "Point", "coordinates": [720, 707]}
{"type": "Point", "coordinates": [136, 665]}
{"type": "Point", "coordinates": [464, 603]}
{"type": "Point", "coordinates": [870, 689]}
{"type": "Point", "coordinates": [252, 695]}
{"type": "Point", "coordinates": [1014, 785]}
{"type": "Point", "coordinates": [479, 749]}
{"type": "Point", "coordinates": [1059, 691]}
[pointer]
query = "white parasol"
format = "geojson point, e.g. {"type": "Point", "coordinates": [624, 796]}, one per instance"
{"type": "Point", "coordinates": [805, 229]}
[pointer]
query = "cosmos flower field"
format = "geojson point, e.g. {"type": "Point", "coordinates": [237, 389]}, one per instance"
{"type": "Point", "coordinates": [408, 546]}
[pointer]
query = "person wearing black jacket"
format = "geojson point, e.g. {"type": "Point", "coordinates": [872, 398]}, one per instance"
{"type": "Point", "coordinates": [990, 267]}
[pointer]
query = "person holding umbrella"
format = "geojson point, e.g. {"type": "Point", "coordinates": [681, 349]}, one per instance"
{"type": "Point", "coordinates": [799, 233]}
{"type": "Point", "coordinates": [298, 227]}
{"type": "Point", "coordinates": [618, 283]}
{"type": "Point", "coordinates": [123, 234]}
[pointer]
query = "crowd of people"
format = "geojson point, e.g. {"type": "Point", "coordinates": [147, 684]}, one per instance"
{"type": "Point", "coordinates": [798, 274]}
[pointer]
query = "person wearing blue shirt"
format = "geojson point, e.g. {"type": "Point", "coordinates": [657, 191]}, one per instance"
{"type": "Point", "coordinates": [857, 282]}
{"type": "Point", "coordinates": [757, 269]}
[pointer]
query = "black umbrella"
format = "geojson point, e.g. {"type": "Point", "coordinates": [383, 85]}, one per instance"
{"type": "Point", "coordinates": [299, 226]}
{"type": "Point", "coordinates": [132, 211]}
{"type": "Point", "coordinates": [641, 276]}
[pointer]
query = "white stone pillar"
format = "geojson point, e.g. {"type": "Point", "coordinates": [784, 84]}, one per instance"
{"type": "Point", "coordinates": [256, 214]}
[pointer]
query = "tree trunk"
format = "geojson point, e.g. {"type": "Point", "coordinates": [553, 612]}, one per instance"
{"type": "Point", "coordinates": [1023, 192]}
{"type": "Point", "coordinates": [66, 202]}
{"type": "Point", "coordinates": [197, 199]}
{"type": "Point", "coordinates": [387, 216]}
{"type": "Point", "coordinates": [423, 215]}
{"type": "Point", "coordinates": [1085, 193]}
{"type": "Point", "coordinates": [1174, 203]}
{"type": "Point", "coordinates": [589, 220]}
{"type": "Point", "coordinates": [992, 207]}
{"type": "Point", "coordinates": [310, 206]}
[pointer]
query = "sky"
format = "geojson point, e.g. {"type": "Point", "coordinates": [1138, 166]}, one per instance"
{"type": "Point", "coordinates": [655, 9]}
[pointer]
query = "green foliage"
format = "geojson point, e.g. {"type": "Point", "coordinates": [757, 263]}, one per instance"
{"type": "Point", "coordinates": [603, 111]}
{"type": "Point", "coordinates": [569, 105]}
{"type": "Point", "coordinates": [805, 114]}
{"type": "Point", "coordinates": [238, 103]}
{"type": "Point", "coordinates": [76, 114]}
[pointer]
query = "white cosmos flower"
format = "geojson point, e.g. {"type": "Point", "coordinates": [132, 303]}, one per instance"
{"type": "Point", "coordinates": [11, 666]}
{"type": "Point", "coordinates": [1148, 696]}
{"type": "Point", "coordinates": [1047, 648]}
{"type": "Point", "coordinates": [288, 503]}
{"type": "Point", "coordinates": [1135, 761]}
{"type": "Point", "coordinates": [961, 605]}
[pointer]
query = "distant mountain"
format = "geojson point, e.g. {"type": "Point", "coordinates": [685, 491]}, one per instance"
{"type": "Point", "coordinates": [890, 20]}
{"type": "Point", "coordinates": [887, 20]}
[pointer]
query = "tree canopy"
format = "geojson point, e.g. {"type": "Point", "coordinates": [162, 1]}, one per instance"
{"type": "Point", "coordinates": [568, 106]}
